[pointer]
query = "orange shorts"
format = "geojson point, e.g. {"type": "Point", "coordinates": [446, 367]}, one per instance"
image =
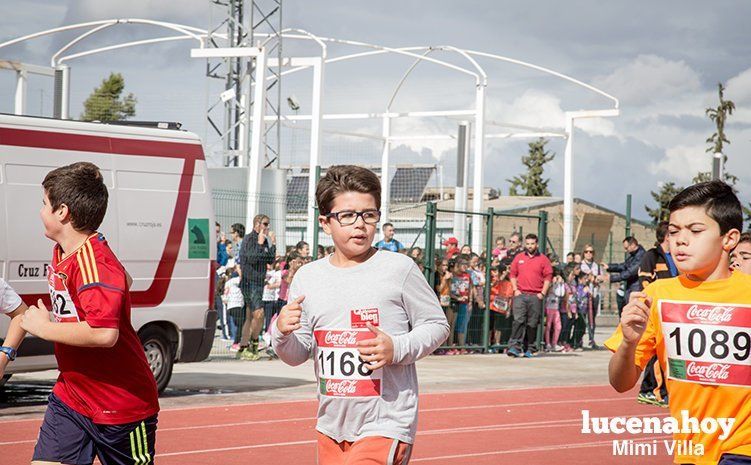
{"type": "Point", "coordinates": [375, 450]}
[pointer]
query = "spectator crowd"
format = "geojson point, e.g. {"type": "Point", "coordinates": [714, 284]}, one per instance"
{"type": "Point", "coordinates": [529, 292]}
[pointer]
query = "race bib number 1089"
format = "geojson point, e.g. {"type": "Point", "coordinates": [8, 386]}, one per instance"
{"type": "Point", "coordinates": [341, 371]}
{"type": "Point", "coordinates": [707, 343]}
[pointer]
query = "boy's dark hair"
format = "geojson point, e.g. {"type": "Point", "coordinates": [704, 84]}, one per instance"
{"type": "Point", "coordinates": [346, 178]}
{"type": "Point", "coordinates": [745, 237]}
{"type": "Point", "coordinates": [239, 228]}
{"type": "Point", "coordinates": [661, 232]}
{"type": "Point", "coordinates": [81, 187]}
{"type": "Point", "coordinates": [631, 240]}
{"type": "Point", "coordinates": [718, 200]}
{"type": "Point", "coordinates": [385, 225]}
{"type": "Point", "coordinates": [300, 245]}
{"type": "Point", "coordinates": [570, 254]}
{"type": "Point", "coordinates": [531, 236]}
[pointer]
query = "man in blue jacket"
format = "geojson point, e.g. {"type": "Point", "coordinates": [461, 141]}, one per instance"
{"type": "Point", "coordinates": [628, 271]}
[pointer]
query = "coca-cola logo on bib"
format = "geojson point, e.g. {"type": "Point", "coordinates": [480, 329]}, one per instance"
{"type": "Point", "coordinates": [717, 371]}
{"type": "Point", "coordinates": [361, 317]}
{"type": "Point", "coordinates": [341, 387]}
{"type": "Point", "coordinates": [709, 314]}
{"type": "Point", "coordinates": [340, 338]}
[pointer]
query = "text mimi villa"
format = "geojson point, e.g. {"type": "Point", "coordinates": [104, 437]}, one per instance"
{"type": "Point", "coordinates": [670, 446]}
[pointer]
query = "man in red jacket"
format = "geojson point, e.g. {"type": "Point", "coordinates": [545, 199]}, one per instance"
{"type": "Point", "coordinates": [531, 274]}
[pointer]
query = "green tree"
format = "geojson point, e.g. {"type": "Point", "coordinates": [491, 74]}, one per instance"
{"type": "Point", "coordinates": [663, 197]}
{"type": "Point", "coordinates": [532, 183]}
{"type": "Point", "coordinates": [719, 116]}
{"type": "Point", "coordinates": [106, 103]}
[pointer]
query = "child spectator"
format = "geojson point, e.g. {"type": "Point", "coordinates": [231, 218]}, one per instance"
{"type": "Point", "coordinates": [582, 301]}
{"type": "Point", "coordinates": [461, 299]}
{"type": "Point", "coordinates": [552, 314]}
{"type": "Point", "coordinates": [235, 303]}
{"type": "Point", "coordinates": [501, 293]}
{"type": "Point", "coordinates": [443, 290]}
{"type": "Point", "coordinates": [271, 292]}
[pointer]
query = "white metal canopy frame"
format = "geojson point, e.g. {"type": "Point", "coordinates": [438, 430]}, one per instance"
{"type": "Point", "coordinates": [420, 54]}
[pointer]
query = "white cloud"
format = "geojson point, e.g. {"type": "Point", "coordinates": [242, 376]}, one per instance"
{"type": "Point", "coordinates": [650, 78]}
{"type": "Point", "coordinates": [682, 162]}
{"type": "Point", "coordinates": [739, 87]}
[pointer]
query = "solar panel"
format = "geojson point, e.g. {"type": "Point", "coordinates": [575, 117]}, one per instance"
{"type": "Point", "coordinates": [297, 193]}
{"type": "Point", "coordinates": [409, 183]}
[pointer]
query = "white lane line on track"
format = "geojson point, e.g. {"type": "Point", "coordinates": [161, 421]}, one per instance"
{"type": "Point", "coordinates": [533, 449]}
{"type": "Point", "coordinates": [266, 422]}
{"type": "Point", "coordinates": [516, 426]}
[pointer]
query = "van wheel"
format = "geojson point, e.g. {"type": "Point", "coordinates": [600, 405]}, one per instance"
{"type": "Point", "coordinates": [4, 380]}
{"type": "Point", "coordinates": [159, 352]}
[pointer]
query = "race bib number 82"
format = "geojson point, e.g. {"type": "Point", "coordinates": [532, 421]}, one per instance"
{"type": "Point", "coordinates": [707, 343]}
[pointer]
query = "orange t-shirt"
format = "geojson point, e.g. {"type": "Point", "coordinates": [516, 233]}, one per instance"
{"type": "Point", "coordinates": [700, 331]}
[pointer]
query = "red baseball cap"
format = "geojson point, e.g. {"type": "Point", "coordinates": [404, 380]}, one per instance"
{"type": "Point", "coordinates": [450, 241]}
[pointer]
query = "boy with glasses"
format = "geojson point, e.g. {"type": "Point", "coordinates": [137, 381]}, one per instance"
{"type": "Point", "coordinates": [366, 316]}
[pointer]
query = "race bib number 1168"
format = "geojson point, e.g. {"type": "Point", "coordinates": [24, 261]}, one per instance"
{"type": "Point", "coordinates": [341, 371]}
{"type": "Point", "coordinates": [707, 343]}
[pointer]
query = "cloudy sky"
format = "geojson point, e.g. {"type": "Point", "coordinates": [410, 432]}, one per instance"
{"type": "Point", "coordinates": [663, 60]}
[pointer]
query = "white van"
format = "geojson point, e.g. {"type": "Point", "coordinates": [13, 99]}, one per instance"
{"type": "Point", "coordinates": [159, 222]}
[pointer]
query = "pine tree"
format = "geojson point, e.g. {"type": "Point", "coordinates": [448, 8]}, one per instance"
{"type": "Point", "coordinates": [532, 183]}
{"type": "Point", "coordinates": [106, 104]}
{"type": "Point", "coordinates": [663, 197]}
{"type": "Point", "coordinates": [719, 116]}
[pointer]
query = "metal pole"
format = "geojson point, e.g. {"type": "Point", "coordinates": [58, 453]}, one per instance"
{"type": "Point", "coordinates": [568, 188]}
{"type": "Point", "coordinates": [460, 194]}
{"type": "Point", "coordinates": [477, 186]}
{"type": "Point", "coordinates": [717, 168]}
{"type": "Point", "coordinates": [610, 260]}
{"type": "Point", "coordinates": [316, 225]}
{"type": "Point", "coordinates": [486, 293]}
{"type": "Point", "coordinates": [315, 145]}
{"type": "Point", "coordinates": [256, 149]}
{"type": "Point", "coordinates": [20, 101]}
{"type": "Point", "coordinates": [385, 193]}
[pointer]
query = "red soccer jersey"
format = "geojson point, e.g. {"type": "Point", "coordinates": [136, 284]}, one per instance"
{"type": "Point", "coordinates": [109, 385]}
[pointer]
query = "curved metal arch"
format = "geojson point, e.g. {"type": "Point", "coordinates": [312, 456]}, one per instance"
{"type": "Point", "coordinates": [429, 51]}
{"type": "Point", "coordinates": [310, 36]}
{"type": "Point", "coordinates": [546, 70]}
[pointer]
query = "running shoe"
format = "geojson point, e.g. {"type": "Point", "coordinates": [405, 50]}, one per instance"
{"type": "Point", "coordinates": [528, 354]}
{"type": "Point", "coordinates": [558, 348]}
{"type": "Point", "coordinates": [647, 398]}
{"type": "Point", "coordinates": [513, 352]}
{"type": "Point", "coordinates": [250, 356]}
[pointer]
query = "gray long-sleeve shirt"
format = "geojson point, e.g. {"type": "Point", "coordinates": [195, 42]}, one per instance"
{"type": "Point", "coordinates": [388, 289]}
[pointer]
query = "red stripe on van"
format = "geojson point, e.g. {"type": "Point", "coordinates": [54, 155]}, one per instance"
{"type": "Point", "coordinates": [102, 144]}
{"type": "Point", "coordinates": [190, 152]}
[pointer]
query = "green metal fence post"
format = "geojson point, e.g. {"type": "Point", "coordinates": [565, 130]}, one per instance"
{"type": "Point", "coordinates": [430, 224]}
{"type": "Point", "coordinates": [486, 293]}
{"type": "Point", "coordinates": [628, 215]}
{"type": "Point", "coordinates": [542, 233]}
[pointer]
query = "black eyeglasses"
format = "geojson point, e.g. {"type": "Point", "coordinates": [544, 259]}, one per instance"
{"type": "Point", "coordinates": [265, 224]}
{"type": "Point", "coordinates": [349, 217]}
{"type": "Point", "coordinates": [589, 251]}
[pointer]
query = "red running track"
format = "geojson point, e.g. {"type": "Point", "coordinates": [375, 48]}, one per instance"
{"type": "Point", "coordinates": [520, 427]}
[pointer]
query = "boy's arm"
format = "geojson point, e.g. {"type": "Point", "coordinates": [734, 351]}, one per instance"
{"type": "Point", "coordinates": [429, 326]}
{"type": "Point", "coordinates": [15, 334]}
{"type": "Point", "coordinates": [36, 320]}
{"type": "Point", "coordinates": [293, 348]}
{"type": "Point", "coordinates": [638, 330]}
